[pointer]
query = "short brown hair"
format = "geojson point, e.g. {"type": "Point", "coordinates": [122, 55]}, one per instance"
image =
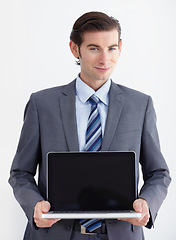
{"type": "Point", "coordinates": [93, 22]}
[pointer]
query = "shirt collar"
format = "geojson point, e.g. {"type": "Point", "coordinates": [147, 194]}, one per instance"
{"type": "Point", "coordinates": [84, 92]}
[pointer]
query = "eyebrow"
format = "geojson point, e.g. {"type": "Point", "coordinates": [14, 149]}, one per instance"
{"type": "Point", "coordinates": [95, 45]}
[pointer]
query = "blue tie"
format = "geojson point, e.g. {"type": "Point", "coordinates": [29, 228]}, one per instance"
{"type": "Point", "coordinates": [94, 132]}
{"type": "Point", "coordinates": [93, 143]}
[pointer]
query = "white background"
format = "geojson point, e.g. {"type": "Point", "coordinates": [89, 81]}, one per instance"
{"type": "Point", "coordinates": [34, 54]}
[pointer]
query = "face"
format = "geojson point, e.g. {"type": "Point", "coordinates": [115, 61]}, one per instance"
{"type": "Point", "coordinates": [98, 55]}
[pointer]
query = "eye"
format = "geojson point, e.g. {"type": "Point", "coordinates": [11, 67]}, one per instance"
{"type": "Point", "coordinates": [94, 49]}
{"type": "Point", "coordinates": [112, 49]}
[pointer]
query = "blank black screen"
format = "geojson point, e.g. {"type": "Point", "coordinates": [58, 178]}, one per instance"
{"type": "Point", "coordinates": [83, 181]}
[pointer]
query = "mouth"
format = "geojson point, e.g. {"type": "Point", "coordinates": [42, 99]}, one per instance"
{"type": "Point", "coordinates": [102, 69]}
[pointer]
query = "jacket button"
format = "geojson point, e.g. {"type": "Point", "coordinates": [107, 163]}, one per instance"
{"type": "Point", "coordinates": [67, 228]}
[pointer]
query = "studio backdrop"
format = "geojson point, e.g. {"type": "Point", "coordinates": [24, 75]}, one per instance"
{"type": "Point", "coordinates": [35, 54]}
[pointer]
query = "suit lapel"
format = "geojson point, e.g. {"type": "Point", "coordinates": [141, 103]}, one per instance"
{"type": "Point", "coordinates": [116, 102]}
{"type": "Point", "coordinates": [68, 112]}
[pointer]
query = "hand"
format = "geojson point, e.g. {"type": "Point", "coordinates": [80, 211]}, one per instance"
{"type": "Point", "coordinates": [141, 206]}
{"type": "Point", "coordinates": [43, 207]}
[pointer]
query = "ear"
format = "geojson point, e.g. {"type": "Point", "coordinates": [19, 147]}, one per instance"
{"type": "Point", "coordinates": [74, 49]}
{"type": "Point", "coordinates": [120, 45]}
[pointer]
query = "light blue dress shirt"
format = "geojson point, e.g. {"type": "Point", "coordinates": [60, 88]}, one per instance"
{"type": "Point", "coordinates": [83, 107]}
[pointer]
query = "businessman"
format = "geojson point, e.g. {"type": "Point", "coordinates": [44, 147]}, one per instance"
{"type": "Point", "coordinates": [57, 119]}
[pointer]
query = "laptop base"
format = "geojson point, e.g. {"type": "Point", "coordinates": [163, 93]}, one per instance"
{"type": "Point", "coordinates": [90, 215]}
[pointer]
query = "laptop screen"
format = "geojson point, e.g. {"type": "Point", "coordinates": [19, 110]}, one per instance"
{"type": "Point", "coordinates": [91, 181]}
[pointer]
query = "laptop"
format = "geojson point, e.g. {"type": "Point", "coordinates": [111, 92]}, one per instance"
{"type": "Point", "coordinates": [91, 185]}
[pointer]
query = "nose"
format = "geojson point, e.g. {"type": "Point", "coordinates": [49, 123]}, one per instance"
{"type": "Point", "coordinates": [104, 58]}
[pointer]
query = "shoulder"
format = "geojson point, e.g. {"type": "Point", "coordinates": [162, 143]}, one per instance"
{"type": "Point", "coordinates": [132, 95]}
{"type": "Point", "coordinates": [129, 92]}
{"type": "Point", "coordinates": [131, 98]}
{"type": "Point", "coordinates": [48, 99]}
{"type": "Point", "coordinates": [53, 93]}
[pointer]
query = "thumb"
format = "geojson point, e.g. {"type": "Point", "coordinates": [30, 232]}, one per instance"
{"type": "Point", "coordinates": [137, 205]}
{"type": "Point", "coordinates": [45, 206]}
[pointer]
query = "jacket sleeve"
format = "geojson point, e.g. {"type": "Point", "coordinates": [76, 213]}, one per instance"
{"type": "Point", "coordinates": [25, 162]}
{"type": "Point", "coordinates": [155, 171]}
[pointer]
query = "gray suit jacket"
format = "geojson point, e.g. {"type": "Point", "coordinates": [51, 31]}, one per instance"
{"type": "Point", "coordinates": [50, 125]}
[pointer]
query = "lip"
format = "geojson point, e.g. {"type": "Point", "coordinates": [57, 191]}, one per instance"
{"type": "Point", "coordinates": [102, 69]}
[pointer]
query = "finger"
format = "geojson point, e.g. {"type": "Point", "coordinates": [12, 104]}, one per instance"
{"type": "Point", "coordinates": [44, 223]}
{"type": "Point", "coordinates": [45, 206]}
{"type": "Point", "coordinates": [40, 222]}
{"type": "Point", "coordinates": [137, 205]}
{"type": "Point", "coordinates": [142, 221]}
{"type": "Point", "coordinates": [140, 205]}
{"type": "Point", "coordinates": [145, 218]}
{"type": "Point", "coordinates": [145, 211]}
{"type": "Point", "coordinates": [37, 210]}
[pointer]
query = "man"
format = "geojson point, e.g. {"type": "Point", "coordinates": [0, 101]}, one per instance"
{"type": "Point", "coordinates": [56, 120]}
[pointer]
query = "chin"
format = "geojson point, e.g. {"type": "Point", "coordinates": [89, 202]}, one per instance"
{"type": "Point", "coordinates": [103, 78]}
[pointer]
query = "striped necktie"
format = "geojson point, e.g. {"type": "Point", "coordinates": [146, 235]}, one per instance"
{"type": "Point", "coordinates": [93, 143]}
{"type": "Point", "coordinates": [94, 131]}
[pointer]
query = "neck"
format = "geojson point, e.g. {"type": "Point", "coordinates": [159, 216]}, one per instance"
{"type": "Point", "coordinates": [94, 84]}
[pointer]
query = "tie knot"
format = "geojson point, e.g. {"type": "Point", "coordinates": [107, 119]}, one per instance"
{"type": "Point", "coordinates": [94, 100]}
